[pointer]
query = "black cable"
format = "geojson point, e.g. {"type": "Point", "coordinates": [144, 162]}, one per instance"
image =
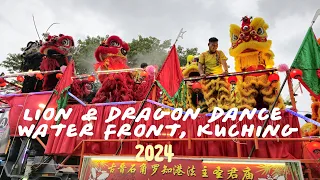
{"type": "Point", "coordinates": [139, 111]}
{"type": "Point", "coordinates": [29, 138]}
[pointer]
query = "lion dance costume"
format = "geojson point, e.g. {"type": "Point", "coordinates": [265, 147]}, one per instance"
{"type": "Point", "coordinates": [31, 62]}
{"type": "Point", "coordinates": [252, 52]}
{"type": "Point", "coordinates": [218, 93]}
{"type": "Point", "coordinates": [116, 87]}
{"type": "Point", "coordinates": [194, 96]}
{"type": "Point", "coordinates": [57, 51]}
{"type": "Point", "coordinates": [309, 129]}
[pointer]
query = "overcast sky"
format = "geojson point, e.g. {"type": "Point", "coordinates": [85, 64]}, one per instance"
{"type": "Point", "coordinates": [288, 22]}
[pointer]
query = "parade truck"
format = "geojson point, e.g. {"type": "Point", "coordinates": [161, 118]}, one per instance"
{"type": "Point", "coordinates": [160, 123]}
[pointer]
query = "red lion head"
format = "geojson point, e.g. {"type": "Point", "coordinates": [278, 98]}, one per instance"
{"type": "Point", "coordinates": [61, 44]}
{"type": "Point", "coordinates": [111, 54]}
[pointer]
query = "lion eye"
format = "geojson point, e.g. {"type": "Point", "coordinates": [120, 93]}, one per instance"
{"type": "Point", "coordinates": [260, 31]}
{"type": "Point", "coordinates": [124, 52]}
{"type": "Point", "coordinates": [65, 42]}
{"type": "Point", "coordinates": [234, 37]}
{"type": "Point", "coordinates": [114, 43]}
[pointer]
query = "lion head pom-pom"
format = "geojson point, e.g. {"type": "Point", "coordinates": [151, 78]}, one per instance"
{"type": "Point", "coordinates": [283, 68]}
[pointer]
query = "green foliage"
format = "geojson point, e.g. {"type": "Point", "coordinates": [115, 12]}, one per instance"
{"type": "Point", "coordinates": [147, 49]}
{"type": "Point", "coordinates": [142, 49]}
{"type": "Point", "coordinates": [152, 51]}
{"type": "Point", "coordinates": [12, 63]}
{"type": "Point", "coordinates": [288, 103]}
{"type": "Point", "coordinates": [84, 56]}
{"type": "Point", "coordinates": [183, 54]}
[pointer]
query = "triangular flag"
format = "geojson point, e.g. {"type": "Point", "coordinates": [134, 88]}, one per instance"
{"type": "Point", "coordinates": [61, 90]}
{"type": "Point", "coordinates": [60, 100]}
{"type": "Point", "coordinates": [308, 61]}
{"type": "Point", "coordinates": [170, 76]}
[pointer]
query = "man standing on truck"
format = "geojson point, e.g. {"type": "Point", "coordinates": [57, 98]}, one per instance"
{"type": "Point", "coordinates": [211, 61]}
{"type": "Point", "coordinates": [216, 91]}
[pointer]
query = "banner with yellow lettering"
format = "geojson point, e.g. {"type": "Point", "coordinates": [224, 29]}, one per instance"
{"type": "Point", "coordinates": [181, 169]}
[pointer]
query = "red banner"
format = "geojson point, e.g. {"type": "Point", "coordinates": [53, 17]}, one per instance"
{"type": "Point", "coordinates": [182, 169]}
{"type": "Point", "coordinates": [19, 104]}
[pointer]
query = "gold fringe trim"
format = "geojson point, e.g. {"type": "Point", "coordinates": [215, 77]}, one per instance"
{"type": "Point", "coordinates": [253, 85]}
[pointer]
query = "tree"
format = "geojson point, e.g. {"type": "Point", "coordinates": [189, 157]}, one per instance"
{"type": "Point", "coordinates": [147, 49]}
{"type": "Point", "coordinates": [183, 54]}
{"type": "Point", "coordinates": [12, 63]}
{"type": "Point", "coordinates": [143, 49]}
{"type": "Point", "coordinates": [288, 103]}
{"type": "Point", "coordinates": [152, 51]}
{"type": "Point", "coordinates": [84, 55]}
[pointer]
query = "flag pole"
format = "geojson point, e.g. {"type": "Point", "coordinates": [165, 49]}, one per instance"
{"type": "Point", "coordinates": [270, 111]}
{"type": "Point", "coordinates": [27, 145]}
{"type": "Point", "coordinates": [275, 102]}
{"type": "Point", "coordinates": [180, 35]}
{"type": "Point", "coordinates": [315, 17]}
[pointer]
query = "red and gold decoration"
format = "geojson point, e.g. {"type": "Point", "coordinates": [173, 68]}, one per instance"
{"type": "Point", "coordinates": [252, 51]}
{"type": "Point", "coordinates": [188, 168]}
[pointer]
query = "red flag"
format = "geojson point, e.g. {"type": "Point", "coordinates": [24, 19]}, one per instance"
{"type": "Point", "coordinates": [60, 99]}
{"type": "Point", "coordinates": [60, 96]}
{"type": "Point", "coordinates": [66, 79]}
{"type": "Point", "coordinates": [170, 75]}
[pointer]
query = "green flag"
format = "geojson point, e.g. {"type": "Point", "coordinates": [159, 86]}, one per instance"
{"type": "Point", "coordinates": [308, 60]}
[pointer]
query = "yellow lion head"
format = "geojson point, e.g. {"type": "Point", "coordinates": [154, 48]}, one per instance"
{"type": "Point", "coordinates": [251, 36]}
{"type": "Point", "coordinates": [309, 129]}
{"type": "Point", "coordinates": [191, 69]}
{"type": "Point", "coordinates": [190, 59]}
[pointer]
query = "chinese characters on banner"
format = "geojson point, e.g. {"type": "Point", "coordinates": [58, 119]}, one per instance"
{"type": "Point", "coordinates": [183, 169]}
